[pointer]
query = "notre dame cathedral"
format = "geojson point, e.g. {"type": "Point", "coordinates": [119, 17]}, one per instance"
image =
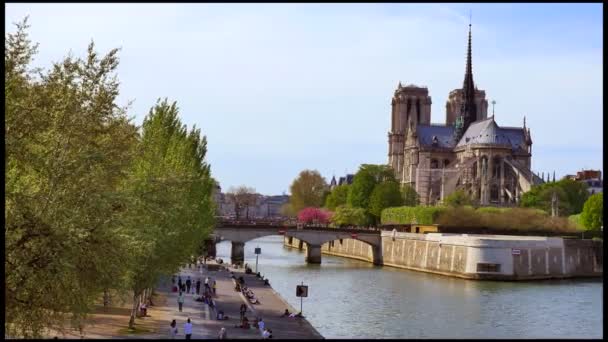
{"type": "Point", "coordinates": [470, 152]}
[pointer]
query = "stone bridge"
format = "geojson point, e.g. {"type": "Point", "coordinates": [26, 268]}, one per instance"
{"type": "Point", "coordinates": [314, 237]}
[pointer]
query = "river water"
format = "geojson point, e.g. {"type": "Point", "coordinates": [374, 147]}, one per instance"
{"type": "Point", "coordinates": [354, 299]}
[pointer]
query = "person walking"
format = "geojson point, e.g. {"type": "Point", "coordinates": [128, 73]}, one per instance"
{"type": "Point", "coordinates": [198, 286]}
{"type": "Point", "coordinates": [188, 329]}
{"type": "Point", "coordinates": [188, 284]}
{"type": "Point", "coordinates": [179, 283]}
{"type": "Point", "coordinates": [243, 310]}
{"type": "Point", "coordinates": [261, 324]}
{"type": "Point", "coordinates": [214, 285]}
{"type": "Point", "coordinates": [223, 334]}
{"type": "Point", "coordinates": [180, 301]}
{"type": "Point", "coordinates": [173, 329]}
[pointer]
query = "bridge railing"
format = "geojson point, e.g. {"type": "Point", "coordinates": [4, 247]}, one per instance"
{"type": "Point", "coordinates": [288, 224]}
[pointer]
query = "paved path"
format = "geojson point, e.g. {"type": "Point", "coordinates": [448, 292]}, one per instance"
{"type": "Point", "coordinates": [205, 325]}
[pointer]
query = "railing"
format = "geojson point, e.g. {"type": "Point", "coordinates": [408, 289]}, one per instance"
{"type": "Point", "coordinates": [286, 224]}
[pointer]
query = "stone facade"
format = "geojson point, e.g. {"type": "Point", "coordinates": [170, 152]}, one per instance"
{"type": "Point", "coordinates": [470, 152]}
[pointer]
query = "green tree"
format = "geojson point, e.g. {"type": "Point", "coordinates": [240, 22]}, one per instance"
{"type": "Point", "coordinates": [68, 146]}
{"type": "Point", "coordinates": [307, 190]}
{"type": "Point", "coordinates": [337, 197]}
{"type": "Point", "coordinates": [171, 187]}
{"type": "Point", "coordinates": [458, 198]}
{"type": "Point", "coordinates": [571, 194]}
{"type": "Point", "coordinates": [347, 216]}
{"type": "Point", "coordinates": [576, 194]}
{"type": "Point", "coordinates": [410, 196]}
{"type": "Point", "coordinates": [592, 216]}
{"type": "Point", "coordinates": [364, 182]}
{"type": "Point", "coordinates": [385, 195]}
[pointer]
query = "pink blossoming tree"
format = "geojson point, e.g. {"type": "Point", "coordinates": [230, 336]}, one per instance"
{"type": "Point", "coordinates": [314, 215]}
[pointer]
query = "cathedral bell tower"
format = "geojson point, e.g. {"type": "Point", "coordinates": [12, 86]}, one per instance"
{"type": "Point", "coordinates": [411, 105]}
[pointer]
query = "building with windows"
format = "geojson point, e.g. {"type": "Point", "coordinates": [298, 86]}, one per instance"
{"type": "Point", "coordinates": [470, 151]}
{"type": "Point", "coordinates": [593, 179]}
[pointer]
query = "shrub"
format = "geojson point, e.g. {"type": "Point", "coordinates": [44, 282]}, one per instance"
{"type": "Point", "coordinates": [346, 216]}
{"type": "Point", "coordinates": [592, 216]}
{"type": "Point", "coordinates": [458, 198]}
{"type": "Point", "coordinates": [576, 220]}
{"type": "Point", "coordinates": [314, 215]}
{"type": "Point", "coordinates": [405, 215]}
{"type": "Point", "coordinates": [505, 219]}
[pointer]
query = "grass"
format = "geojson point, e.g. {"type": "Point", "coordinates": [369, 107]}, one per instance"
{"type": "Point", "coordinates": [136, 330]}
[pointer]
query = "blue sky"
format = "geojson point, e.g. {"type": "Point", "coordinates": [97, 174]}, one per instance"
{"type": "Point", "coordinates": [278, 88]}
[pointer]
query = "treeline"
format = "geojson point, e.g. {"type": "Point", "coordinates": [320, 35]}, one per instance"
{"type": "Point", "coordinates": [361, 203]}
{"type": "Point", "coordinates": [93, 203]}
{"type": "Point", "coordinates": [375, 197]}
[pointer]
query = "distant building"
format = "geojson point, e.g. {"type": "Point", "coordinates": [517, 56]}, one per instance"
{"type": "Point", "coordinates": [593, 179]}
{"type": "Point", "coordinates": [264, 207]}
{"type": "Point", "coordinates": [348, 179]}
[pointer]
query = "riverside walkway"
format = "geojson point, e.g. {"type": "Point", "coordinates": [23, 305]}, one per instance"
{"type": "Point", "coordinates": [205, 326]}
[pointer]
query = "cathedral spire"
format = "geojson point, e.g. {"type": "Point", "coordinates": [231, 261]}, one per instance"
{"type": "Point", "coordinates": [468, 110]}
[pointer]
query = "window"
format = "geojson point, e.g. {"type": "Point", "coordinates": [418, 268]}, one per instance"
{"type": "Point", "coordinates": [434, 164]}
{"type": "Point", "coordinates": [483, 267]}
{"type": "Point", "coordinates": [446, 163]}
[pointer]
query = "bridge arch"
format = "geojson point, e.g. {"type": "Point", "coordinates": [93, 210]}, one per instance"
{"type": "Point", "coordinates": [313, 238]}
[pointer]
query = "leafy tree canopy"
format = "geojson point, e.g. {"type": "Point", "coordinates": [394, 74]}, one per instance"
{"type": "Point", "coordinates": [364, 182]}
{"type": "Point", "coordinates": [592, 217]}
{"type": "Point", "coordinates": [307, 190]}
{"type": "Point", "coordinates": [337, 197]}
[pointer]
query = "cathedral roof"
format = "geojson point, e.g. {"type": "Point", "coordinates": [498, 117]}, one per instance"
{"type": "Point", "coordinates": [487, 132]}
{"type": "Point", "coordinates": [442, 133]}
{"type": "Point", "coordinates": [484, 132]}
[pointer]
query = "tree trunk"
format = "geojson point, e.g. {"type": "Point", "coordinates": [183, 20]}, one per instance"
{"type": "Point", "coordinates": [106, 299]}
{"type": "Point", "coordinates": [134, 310]}
{"type": "Point", "coordinates": [151, 294]}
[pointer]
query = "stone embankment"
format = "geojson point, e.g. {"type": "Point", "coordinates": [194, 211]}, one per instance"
{"type": "Point", "coordinates": [495, 257]}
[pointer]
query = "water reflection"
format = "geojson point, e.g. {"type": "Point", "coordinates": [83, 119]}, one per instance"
{"type": "Point", "coordinates": [354, 299]}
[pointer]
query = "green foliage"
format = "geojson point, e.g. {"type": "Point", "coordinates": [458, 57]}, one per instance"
{"type": "Point", "coordinates": [458, 198]}
{"type": "Point", "coordinates": [348, 216]}
{"type": "Point", "coordinates": [407, 215]}
{"type": "Point", "coordinates": [571, 196]}
{"type": "Point", "coordinates": [307, 190]}
{"type": "Point", "coordinates": [364, 182]}
{"type": "Point", "coordinates": [576, 221]}
{"type": "Point", "coordinates": [410, 196]}
{"type": "Point", "coordinates": [592, 217]}
{"type": "Point", "coordinates": [170, 187]}
{"type": "Point", "coordinates": [385, 195]}
{"type": "Point", "coordinates": [68, 146]}
{"type": "Point", "coordinates": [576, 194]}
{"type": "Point", "coordinates": [504, 218]}
{"type": "Point", "coordinates": [91, 205]}
{"type": "Point", "coordinates": [337, 197]}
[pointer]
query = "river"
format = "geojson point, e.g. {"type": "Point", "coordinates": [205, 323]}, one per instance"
{"type": "Point", "coordinates": [354, 299]}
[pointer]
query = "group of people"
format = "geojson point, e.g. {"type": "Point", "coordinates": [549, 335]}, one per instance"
{"type": "Point", "coordinates": [258, 323]}
{"type": "Point", "coordinates": [189, 287]}
{"type": "Point", "coordinates": [187, 329]}
{"type": "Point", "coordinates": [247, 292]}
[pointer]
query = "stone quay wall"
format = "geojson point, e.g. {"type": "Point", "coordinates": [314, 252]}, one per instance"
{"type": "Point", "coordinates": [493, 257]}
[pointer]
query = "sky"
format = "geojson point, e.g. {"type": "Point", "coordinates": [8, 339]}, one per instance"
{"type": "Point", "coordinates": [279, 88]}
